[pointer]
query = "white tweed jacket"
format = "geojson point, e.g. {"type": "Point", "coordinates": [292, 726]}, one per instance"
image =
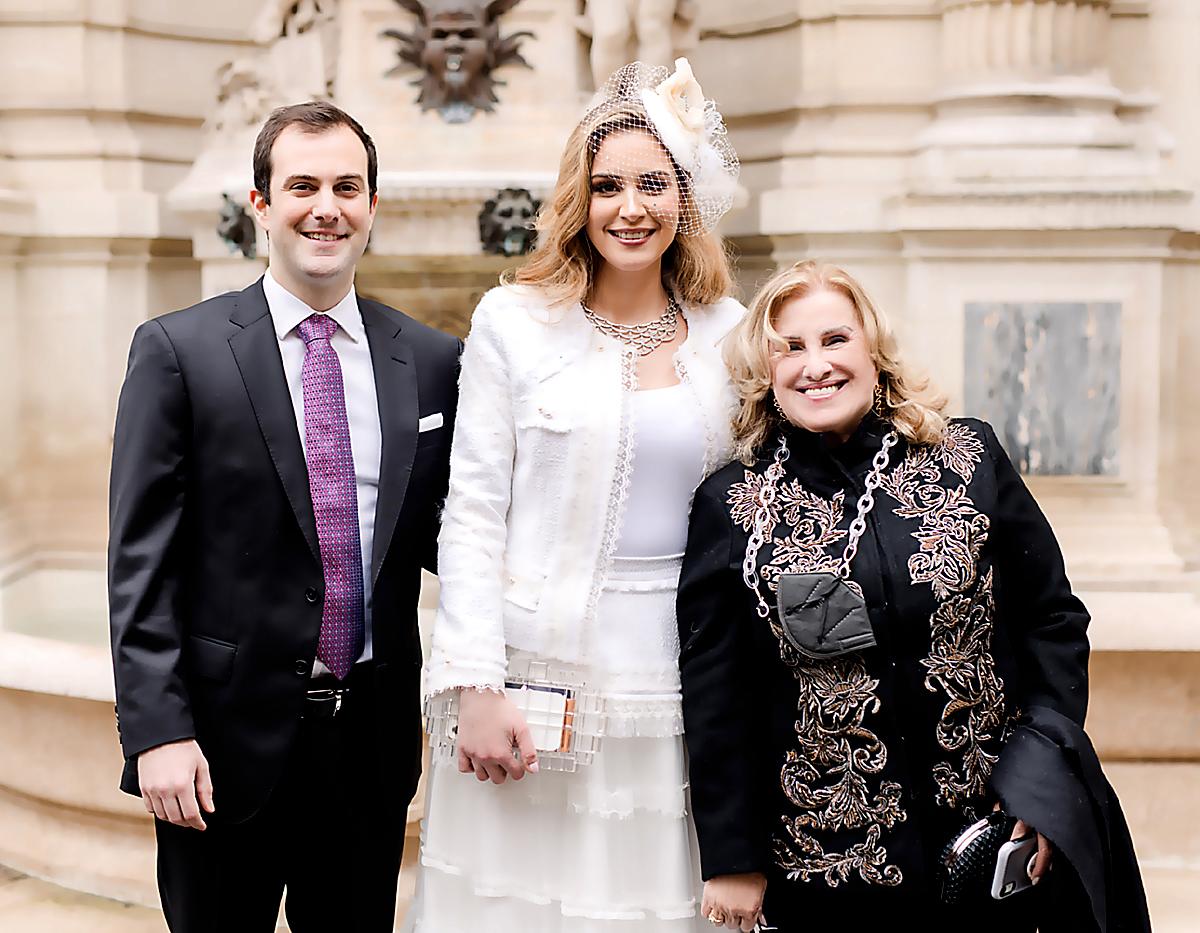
{"type": "Point", "coordinates": [538, 476]}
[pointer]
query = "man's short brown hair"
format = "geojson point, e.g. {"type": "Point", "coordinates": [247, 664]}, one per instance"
{"type": "Point", "coordinates": [315, 116]}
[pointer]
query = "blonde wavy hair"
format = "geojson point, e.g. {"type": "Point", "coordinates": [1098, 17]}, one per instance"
{"type": "Point", "coordinates": [564, 262]}
{"type": "Point", "coordinates": [909, 402]}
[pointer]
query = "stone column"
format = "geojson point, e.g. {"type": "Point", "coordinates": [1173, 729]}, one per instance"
{"type": "Point", "coordinates": [1023, 39]}
{"type": "Point", "coordinates": [1026, 94]}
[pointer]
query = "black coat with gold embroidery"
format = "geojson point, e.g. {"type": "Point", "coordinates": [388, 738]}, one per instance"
{"type": "Point", "coordinates": [850, 774]}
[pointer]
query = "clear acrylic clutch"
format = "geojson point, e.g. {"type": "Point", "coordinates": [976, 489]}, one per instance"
{"type": "Point", "coordinates": [564, 715]}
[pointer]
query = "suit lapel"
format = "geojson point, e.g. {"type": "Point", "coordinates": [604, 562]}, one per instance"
{"type": "Point", "coordinates": [256, 350]}
{"type": "Point", "coordinates": [396, 387]}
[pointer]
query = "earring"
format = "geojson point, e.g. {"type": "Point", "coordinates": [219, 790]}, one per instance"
{"type": "Point", "coordinates": [778, 407]}
{"type": "Point", "coordinates": [880, 403]}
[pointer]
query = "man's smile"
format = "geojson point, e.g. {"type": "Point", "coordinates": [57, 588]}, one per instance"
{"type": "Point", "coordinates": [322, 237]}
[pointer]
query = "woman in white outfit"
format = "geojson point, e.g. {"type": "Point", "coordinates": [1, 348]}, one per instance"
{"type": "Point", "coordinates": [593, 402]}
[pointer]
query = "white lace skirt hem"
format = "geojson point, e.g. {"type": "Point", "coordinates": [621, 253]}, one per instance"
{"type": "Point", "coordinates": [607, 847]}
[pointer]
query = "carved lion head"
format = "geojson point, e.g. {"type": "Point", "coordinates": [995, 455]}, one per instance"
{"type": "Point", "coordinates": [506, 222]}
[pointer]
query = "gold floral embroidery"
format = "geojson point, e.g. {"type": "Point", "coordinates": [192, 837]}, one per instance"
{"type": "Point", "coordinates": [814, 529]}
{"type": "Point", "coordinates": [805, 858]}
{"type": "Point", "coordinates": [960, 663]}
{"type": "Point", "coordinates": [952, 532]}
{"type": "Point", "coordinates": [960, 450]}
{"type": "Point", "coordinates": [828, 778]}
{"type": "Point", "coordinates": [743, 500]}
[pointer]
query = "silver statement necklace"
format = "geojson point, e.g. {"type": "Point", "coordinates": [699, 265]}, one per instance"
{"type": "Point", "coordinates": [643, 338]}
{"type": "Point", "coordinates": [820, 614]}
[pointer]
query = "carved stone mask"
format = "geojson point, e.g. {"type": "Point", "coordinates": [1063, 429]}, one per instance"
{"type": "Point", "coordinates": [457, 49]}
{"type": "Point", "coordinates": [457, 46]}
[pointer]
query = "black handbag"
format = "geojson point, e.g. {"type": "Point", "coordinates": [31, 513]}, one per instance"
{"type": "Point", "coordinates": [968, 861]}
{"type": "Point", "coordinates": [822, 616]}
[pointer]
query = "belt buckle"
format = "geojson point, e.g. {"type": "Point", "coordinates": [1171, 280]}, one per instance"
{"type": "Point", "coordinates": [322, 696]}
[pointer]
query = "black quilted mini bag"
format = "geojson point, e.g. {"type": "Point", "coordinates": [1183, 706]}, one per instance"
{"type": "Point", "coordinates": [968, 862]}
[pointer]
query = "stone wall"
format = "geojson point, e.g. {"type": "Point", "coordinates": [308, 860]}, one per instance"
{"type": "Point", "coordinates": [103, 106]}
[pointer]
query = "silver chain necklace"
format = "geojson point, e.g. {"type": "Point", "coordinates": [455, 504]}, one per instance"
{"type": "Point", "coordinates": [766, 499]}
{"type": "Point", "coordinates": [644, 338]}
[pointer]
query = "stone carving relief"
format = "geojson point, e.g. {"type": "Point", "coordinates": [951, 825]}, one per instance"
{"type": "Point", "coordinates": [653, 31]}
{"type": "Point", "coordinates": [457, 47]}
{"type": "Point", "coordinates": [286, 18]}
{"type": "Point", "coordinates": [245, 95]}
{"type": "Point", "coordinates": [506, 222]}
{"type": "Point", "coordinates": [236, 228]}
{"type": "Point", "coordinates": [296, 60]}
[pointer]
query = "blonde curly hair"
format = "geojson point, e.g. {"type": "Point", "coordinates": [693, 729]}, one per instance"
{"type": "Point", "coordinates": [564, 261]}
{"type": "Point", "coordinates": [909, 402]}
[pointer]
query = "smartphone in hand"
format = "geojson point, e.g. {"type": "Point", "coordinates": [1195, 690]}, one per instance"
{"type": "Point", "coordinates": [1014, 863]}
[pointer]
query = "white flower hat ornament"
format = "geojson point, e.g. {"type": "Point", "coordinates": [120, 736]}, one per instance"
{"type": "Point", "coordinates": [673, 109]}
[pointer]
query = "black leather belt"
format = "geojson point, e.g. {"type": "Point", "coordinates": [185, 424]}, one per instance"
{"type": "Point", "coordinates": [327, 696]}
{"type": "Point", "coordinates": [324, 702]}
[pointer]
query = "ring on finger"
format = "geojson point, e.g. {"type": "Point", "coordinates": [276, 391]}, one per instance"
{"type": "Point", "coordinates": [716, 918]}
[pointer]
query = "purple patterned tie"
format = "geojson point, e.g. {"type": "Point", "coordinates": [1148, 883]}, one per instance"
{"type": "Point", "coordinates": [334, 496]}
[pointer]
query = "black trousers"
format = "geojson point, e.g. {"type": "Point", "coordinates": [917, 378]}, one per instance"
{"type": "Point", "coordinates": [332, 835]}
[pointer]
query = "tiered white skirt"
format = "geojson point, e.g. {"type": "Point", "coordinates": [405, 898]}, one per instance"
{"type": "Point", "coordinates": [608, 847]}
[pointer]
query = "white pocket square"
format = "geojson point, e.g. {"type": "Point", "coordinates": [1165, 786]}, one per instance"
{"type": "Point", "coordinates": [429, 422]}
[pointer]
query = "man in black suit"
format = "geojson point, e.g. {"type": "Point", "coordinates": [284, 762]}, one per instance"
{"type": "Point", "coordinates": [279, 461]}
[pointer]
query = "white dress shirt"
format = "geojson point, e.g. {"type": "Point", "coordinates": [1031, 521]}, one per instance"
{"type": "Point", "coordinates": [349, 341]}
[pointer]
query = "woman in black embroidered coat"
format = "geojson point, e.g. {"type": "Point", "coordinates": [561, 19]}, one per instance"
{"type": "Point", "coordinates": [836, 782]}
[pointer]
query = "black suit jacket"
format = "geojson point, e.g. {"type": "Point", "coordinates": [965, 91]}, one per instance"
{"type": "Point", "coordinates": [215, 580]}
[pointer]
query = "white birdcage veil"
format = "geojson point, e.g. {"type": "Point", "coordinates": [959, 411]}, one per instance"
{"type": "Point", "coordinates": [672, 109]}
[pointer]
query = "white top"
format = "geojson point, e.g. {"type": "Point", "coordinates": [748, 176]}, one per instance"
{"type": "Point", "coordinates": [668, 465]}
{"type": "Point", "coordinates": [362, 408]}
